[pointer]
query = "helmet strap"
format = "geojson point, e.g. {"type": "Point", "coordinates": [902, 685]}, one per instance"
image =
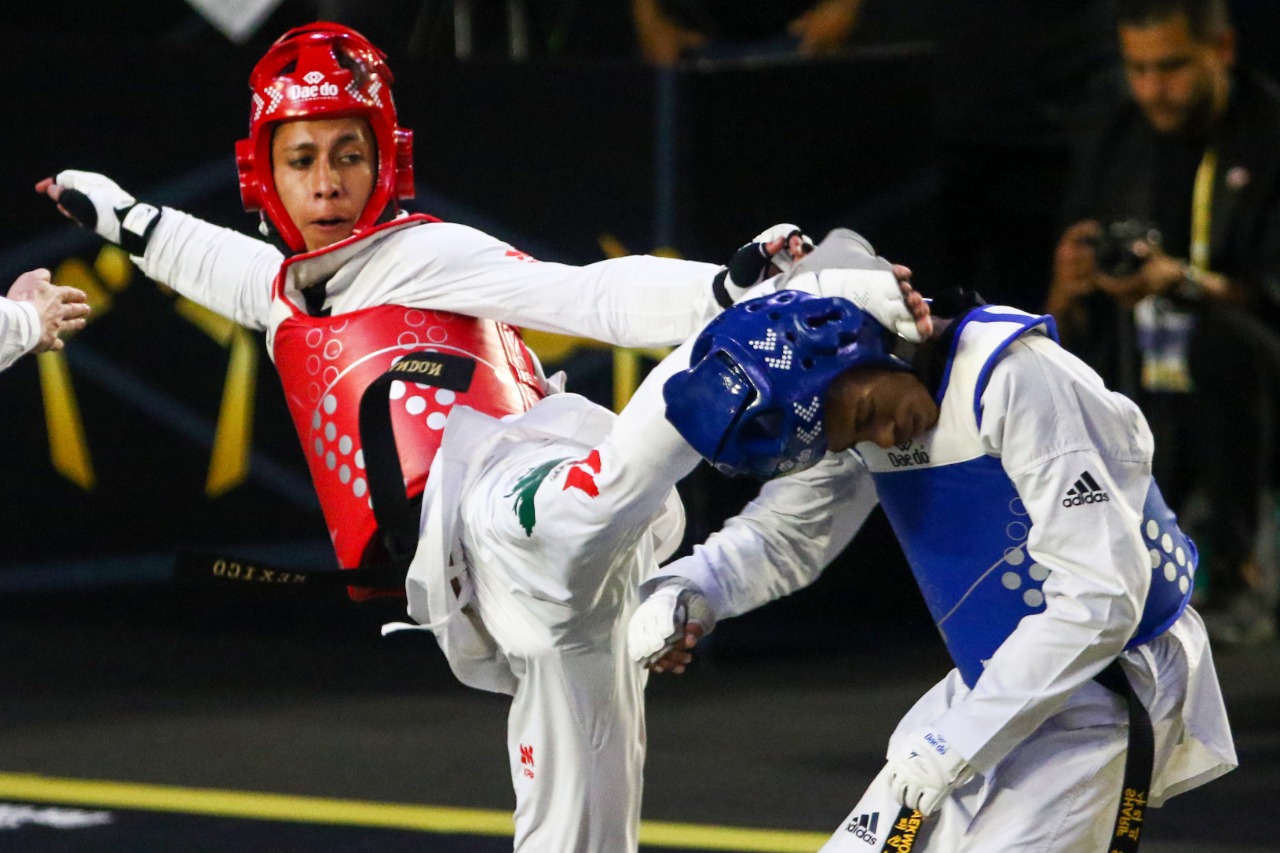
{"type": "Point", "coordinates": [902, 348]}
{"type": "Point", "coordinates": [268, 230]}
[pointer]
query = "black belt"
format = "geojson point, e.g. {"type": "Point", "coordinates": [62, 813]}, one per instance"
{"type": "Point", "coordinates": [1134, 792]}
{"type": "Point", "coordinates": [204, 568]}
{"type": "Point", "coordinates": [1139, 761]}
{"type": "Point", "coordinates": [902, 835]}
{"type": "Point", "coordinates": [396, 513]}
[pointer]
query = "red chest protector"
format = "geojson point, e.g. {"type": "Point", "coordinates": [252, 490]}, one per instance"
{"type": "Point", "coordinates": [326, 363]}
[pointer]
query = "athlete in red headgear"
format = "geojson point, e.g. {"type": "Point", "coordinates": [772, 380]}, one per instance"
{"type": "Point", "coordinates": [323, 72]}
{"type": "Point", "coordinates": [541, 514]}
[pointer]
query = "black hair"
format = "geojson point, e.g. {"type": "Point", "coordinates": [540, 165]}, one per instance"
{"type": "Point", "coordinates": [1206, 19]}
{"type": "Point", "coordinates": [930, 362]}
{"type": "Point", "coordinates": [360, 70]}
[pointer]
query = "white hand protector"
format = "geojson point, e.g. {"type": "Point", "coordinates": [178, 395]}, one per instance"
{"type": "Point", "coordinates": [97, 202]}
{"type": "Point", "coordinates": [875, 291]}
{"type": "Point", "coordinates": [844, 264]}
{"type": "Point", "coordinates": [783, 231]}
{"type": "Point", "coordinates": [924, 769]}
{"type": "Point", "coordinates": [753, 263]}
{"type": "Point", "coordinates": [659, 623]}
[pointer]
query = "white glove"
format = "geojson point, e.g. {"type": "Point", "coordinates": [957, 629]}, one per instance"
{"type": "Point", "coordinates": [875, 291]}
{"type": "Point", "coordinates": [750, 265]}
{"type": "Point", "coordinates": [97, 202]}
{"type": "Point", "coordinates": [844, 264]}
{"type": "Point", "coordinates": [924, 769]}
{"type": "Point", "coordinates": [660, 622]}
{"type": "Point", "coordinates": [783, 259]}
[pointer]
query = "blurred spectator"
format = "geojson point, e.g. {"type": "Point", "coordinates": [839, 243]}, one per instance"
{"type": "Point", "coordinates": [671, 29]}
{"type": "Point", "coordinates": [1012, 94]}
{"type": "Point", "coordinates": [1168, 283]}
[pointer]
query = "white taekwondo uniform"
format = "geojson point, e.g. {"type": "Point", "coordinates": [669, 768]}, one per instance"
{"type": "Point", "coordinates": [19, 330]}
{"type": "Point", "coordinates": [536, 528]}
{"type": "Point", "coordinates": [1044, 551]}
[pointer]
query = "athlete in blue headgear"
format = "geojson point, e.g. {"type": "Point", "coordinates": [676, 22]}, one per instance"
{"type": "Point", "coordinates": [1020, 490]}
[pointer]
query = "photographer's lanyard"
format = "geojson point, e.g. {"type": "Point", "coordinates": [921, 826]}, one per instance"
{"type": "Point", "coordinates": [1202, 210]}
{"type": "Point", "coordinates": [1164, 331]}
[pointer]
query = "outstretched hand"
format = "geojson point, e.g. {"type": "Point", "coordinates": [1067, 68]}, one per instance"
{"type": "Point", "coordinates": [662, 40]}
{"type": "Point", "coordinates": [99, 204]}
{"type": "Point", "coordinates": [783, 250]}
{"type": "Point", "coordinates": [51, 188]}
{"type": "Point", "coordinates": [774, 250]}
{"type": "Point", "coordinates": [61, 309]}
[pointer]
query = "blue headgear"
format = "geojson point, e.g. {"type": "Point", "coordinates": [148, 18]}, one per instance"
{"type": "Point", "coordinates": [751, 401]}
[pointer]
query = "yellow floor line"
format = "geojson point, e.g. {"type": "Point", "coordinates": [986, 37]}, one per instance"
{"type": "Point", "coordinates": [261, 806]}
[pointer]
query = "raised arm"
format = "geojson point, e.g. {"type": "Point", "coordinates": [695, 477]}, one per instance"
{"type": "Point", "coordinates": [221, 269]}
{"type": "Point", "coordinates": [633, 301]}
{"type": "Point", "coordinates": [638, 300]}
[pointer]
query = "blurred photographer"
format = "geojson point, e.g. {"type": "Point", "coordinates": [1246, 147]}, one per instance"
{"type": "Point", "coordinates": [1168, 284]}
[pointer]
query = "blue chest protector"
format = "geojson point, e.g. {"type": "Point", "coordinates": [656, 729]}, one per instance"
{"type": "Point", "coordinates": [964, 529]}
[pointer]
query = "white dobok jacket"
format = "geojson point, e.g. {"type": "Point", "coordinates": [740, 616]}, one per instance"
{"type": "Point", "coordinates": [19, 330]}
{"type": "Point", "coordinates": [638, 301]}
{"type": "Point", "coordinates": [1075, 571]}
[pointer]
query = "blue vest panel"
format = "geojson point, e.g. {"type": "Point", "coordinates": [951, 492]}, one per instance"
{"type": "Point", "coordinates": [1173, 568]}
{"type": "Point", "coordinates": [964, 531]}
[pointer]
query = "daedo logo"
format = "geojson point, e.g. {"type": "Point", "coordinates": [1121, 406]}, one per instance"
{"type": "Point", "coordinates": [908, 457]}
{"type": "Point", "coordinates": [302, 93]}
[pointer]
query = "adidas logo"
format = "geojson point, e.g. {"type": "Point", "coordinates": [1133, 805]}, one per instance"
{"type": "Point", "coordinates": [864, 826]}
{"type": "Point", "coordinates": [1085, 491]}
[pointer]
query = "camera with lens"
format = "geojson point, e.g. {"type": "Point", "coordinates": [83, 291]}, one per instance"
{"type": "Point", "coordinates": [1119, 248]}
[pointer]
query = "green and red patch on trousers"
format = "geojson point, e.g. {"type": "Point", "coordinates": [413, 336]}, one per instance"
{"type": "Point", "coordinates": [526, 487]}
{"type": "Point", "coordinates": [581, 476]}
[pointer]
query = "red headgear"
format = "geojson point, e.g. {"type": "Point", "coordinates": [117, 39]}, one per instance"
{"type": "Point", "coordinates": [322, 71]}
